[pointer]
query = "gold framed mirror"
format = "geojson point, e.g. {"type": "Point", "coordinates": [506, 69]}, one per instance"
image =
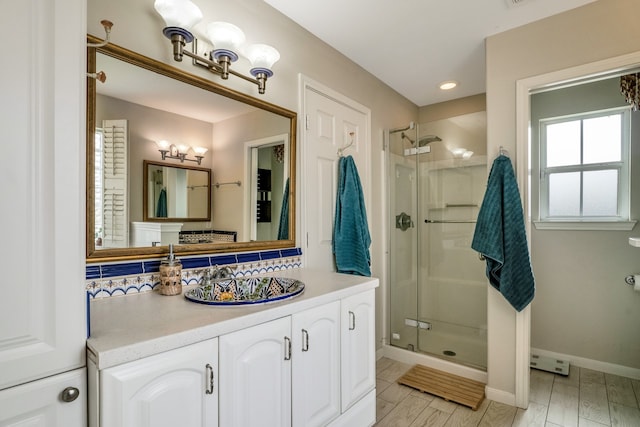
{"type": "Point", "coordinates": [179, 103]}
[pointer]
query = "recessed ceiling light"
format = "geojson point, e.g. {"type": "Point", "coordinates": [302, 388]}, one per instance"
{"type": "Point", "coordinates": [448, 85]}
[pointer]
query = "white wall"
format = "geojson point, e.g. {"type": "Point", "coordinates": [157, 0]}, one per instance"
{"type": "Point", "coordinates": [138, 27]}
{"type": "Point", "coordinates": [602, 29]}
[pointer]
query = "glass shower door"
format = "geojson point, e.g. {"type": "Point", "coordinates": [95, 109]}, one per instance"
{"type": "Point", "coordinates": [452, 288]}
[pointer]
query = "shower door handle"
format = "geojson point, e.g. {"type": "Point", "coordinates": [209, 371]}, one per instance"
{"type": "Point", "coordinates": [403, 221]}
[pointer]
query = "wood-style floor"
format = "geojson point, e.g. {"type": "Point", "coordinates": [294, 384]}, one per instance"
{"type": "Point", "coordinates": [585, 398]}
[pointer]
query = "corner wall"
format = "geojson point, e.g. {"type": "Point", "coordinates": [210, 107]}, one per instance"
{"type": "Point", "coordinates": [599, 30]}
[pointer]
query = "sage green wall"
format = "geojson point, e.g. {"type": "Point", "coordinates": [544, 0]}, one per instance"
{"type": "Point", "coordinates": [599, 30]}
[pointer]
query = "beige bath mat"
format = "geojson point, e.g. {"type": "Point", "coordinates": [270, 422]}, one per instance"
{"type": "Point", "coordinates": [447, 386]}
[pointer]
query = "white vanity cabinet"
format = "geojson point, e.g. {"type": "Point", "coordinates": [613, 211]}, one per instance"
{"type": "Point", "coordinates": [309, 361]}
{"type": "Point", "coordinates": [294, 370]}
{"type": "Point", "coordinates": [316, 365]}
{"type": "Point", "coordinates": [255, 376]}
{"type": "Point", "coordinates": [174, 388]}
{"type": "Point", "coordinates": [358, 347]}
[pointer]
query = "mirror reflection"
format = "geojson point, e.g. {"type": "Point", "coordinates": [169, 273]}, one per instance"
{"type": "Point", "coordinates": [150, 127]}
{"type": "Point", "coordinates": [174, 193]}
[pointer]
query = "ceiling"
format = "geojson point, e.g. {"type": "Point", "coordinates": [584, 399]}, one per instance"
{"type": "Point", "coordinates": [414, 45]}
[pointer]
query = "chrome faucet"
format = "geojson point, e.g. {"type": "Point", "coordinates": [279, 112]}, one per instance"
{"type": "Point", "coordinates": [221, 273]}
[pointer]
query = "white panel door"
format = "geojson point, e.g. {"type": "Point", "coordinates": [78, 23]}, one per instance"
{"type": "Point", "coordinates": [331, 124]}
{"type": "Point", "coordinates": [255, 376]}
{"type": "Point", "coordinates": [40, 403]}
{"type": "Point", "coordinates": [175, 388]}
{"type": "Point", "coordinates": [357, 347]}
{"type": "Point", "coordinates": [316, 365]}
{"type": "Point", "coordinates": [42, 167]}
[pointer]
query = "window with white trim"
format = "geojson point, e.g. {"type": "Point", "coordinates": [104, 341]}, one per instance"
{"type": "Point", "coordinates": [584, 166]}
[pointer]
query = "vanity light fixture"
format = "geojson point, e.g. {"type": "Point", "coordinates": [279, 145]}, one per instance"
{"type": "Point", "coordinates": [181, 15]}
{"type": "Point", "coordinates": [179, 151]}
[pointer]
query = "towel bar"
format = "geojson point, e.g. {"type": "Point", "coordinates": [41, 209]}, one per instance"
{"type": "Point", "coordinates": [436, 221]}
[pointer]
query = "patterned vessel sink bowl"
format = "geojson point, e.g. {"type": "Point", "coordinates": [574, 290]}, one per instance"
{"type": "Point", "coordinates": [245, 290]}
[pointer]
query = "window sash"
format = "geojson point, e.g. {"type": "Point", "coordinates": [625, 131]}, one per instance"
{"type": "Point", "coordinates": [622, 167]}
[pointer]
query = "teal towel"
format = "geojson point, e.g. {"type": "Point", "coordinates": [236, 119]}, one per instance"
{"type": "Point", "coordinates": [500, 236]}
{"type": "Point", "coordinates": [351, 238]}
{"type": "Point", "coordinates": [161, 208]}
{"type": "Point", "coordinates": [283, 227]}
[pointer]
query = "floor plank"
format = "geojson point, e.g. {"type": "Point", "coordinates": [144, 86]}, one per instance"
{"type": "Point", "coordinates": [534, 416]}
{"type": "Point", "coordinates": [563, 406]}
{"type": "Point", "coordinates": [624, 416]}
{"type": "Point", "coordinates": [594, 405]}
{"type": "Point", "coordinates": [498, 415]}
{"type": "Point", "coordinates": [405, 413]}
{"type": "Point", "coordinates": [620, 390]}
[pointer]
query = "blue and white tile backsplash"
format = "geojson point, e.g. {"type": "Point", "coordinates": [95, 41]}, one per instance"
{"type": "Point", "coordinates": [125, 278]}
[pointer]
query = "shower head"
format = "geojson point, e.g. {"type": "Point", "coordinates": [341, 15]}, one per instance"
{"type": "Point", "coordinates": [428, 140]}
{"type": "Point", "coordinates": [425, 140]}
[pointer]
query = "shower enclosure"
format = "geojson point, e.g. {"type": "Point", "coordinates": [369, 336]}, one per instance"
{"type": "Point", "coordinates": [437, 174]}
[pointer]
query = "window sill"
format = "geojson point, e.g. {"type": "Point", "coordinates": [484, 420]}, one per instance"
{"type": "Point", "coordinates": [585, 225]}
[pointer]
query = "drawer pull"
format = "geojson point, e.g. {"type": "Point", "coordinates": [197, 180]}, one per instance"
{"type": "Point", "coordinates": [209, 389]}
{"type": "Point", "coordinates": [287, 348]}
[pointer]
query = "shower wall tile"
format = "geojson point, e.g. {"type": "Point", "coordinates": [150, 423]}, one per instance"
{"type": "Point", "coordinates": [126, 278]}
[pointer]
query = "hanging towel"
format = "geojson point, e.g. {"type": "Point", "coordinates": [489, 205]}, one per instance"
{"type": "Point", "coordinates": [161, 207]}
{"type": "Point", "coordinates": [283, 227]}
{"type": "Point", "coordinates": [351, 238]}
{"type": "Point", "coordinates": [500, 236]}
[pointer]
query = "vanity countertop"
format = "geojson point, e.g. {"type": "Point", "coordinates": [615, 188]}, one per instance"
{"type": "Point", "coordinates": [131, 327]}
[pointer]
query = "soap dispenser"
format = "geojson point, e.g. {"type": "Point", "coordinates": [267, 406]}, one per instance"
{"type": "Point", "coordinates": [170, 275]}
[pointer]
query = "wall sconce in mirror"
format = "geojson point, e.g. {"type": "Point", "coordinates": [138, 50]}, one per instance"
{"type": "Point", "coordinates": [227, 39]}
{"type": "Point", "coordinates": [179, 151]}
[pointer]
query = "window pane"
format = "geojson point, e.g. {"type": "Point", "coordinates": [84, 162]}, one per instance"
{"type": "Point", "coordinates": [600, 193]}
{"type": "Point", "coordinates": [564, 194]}
{"type": "Point", "coordinates": [602, 139]}
{"type": "Point", "coordinates": [563, 144]}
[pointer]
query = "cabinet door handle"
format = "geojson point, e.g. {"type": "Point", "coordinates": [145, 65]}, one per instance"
{"type": "Point", "coordinates": [305, 340]}
{"type": "Point", "coordinates": [209, 389]}
{"type": "Point", "coordinates": [352, 320]}
{"type": "Point", "coordinates": [287, 348]}
{"type": "Point", "coordinates": [69, 394]}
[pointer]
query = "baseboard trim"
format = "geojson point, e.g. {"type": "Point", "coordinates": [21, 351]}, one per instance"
{"type": "Point", "coordinates": [596, 365]}
{"type": "Point", "coordinates": [500, 396]}
{"type": "Point", "coordinates": [412, 358]}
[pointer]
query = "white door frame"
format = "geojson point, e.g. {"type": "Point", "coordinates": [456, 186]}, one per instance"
{"type": "Point", "coordinates": [305, 83]}
{"type": "Point", "coordinates": [523, 114]}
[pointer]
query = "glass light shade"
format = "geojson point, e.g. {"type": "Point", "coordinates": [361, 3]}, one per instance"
{"type": "Point", "coordinates": [178, 13]}
{"type": "Point", "coordinates": [226, 39]}
{"type": "Point", "coordinates": [182, 148]}
{"type": "Point", "coordinates": [262, 57]}
{"type": "Point", "coordinates": [199, 151]}
{"type": "Point", "coordinates": [163, 145]}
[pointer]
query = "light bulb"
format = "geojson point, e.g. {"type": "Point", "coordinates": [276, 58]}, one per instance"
{"type": "Point", "coordinates": [226, 39]}
{"type": "Point", "coordinates": [262, 58]}
{"type": "Point", "coordinates": [178, 13]}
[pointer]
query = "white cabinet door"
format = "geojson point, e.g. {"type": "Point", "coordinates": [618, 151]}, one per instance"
{"type": "Point", "coordinates": [255, 376]}
{"type": "Point", "coordinates": [175, 388]}
{"type": "Point", "coordinates": [316, 365]}
{"type": "Point", "coordinates": [357, 347]}
{"type": "Point", "coordinates": [42, 309]}
{"type": "Point", "coordinates": [40, 403]}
